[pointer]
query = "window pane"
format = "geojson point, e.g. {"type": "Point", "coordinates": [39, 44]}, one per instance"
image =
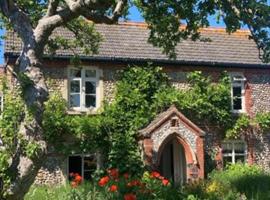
{"type": "Point", "coordinates": [239, 159]}
{"type": "Point", "coordinates": [90, 101]}
{"type": "Point", "coordinates": [237, 91]}
{"type": "Point", "coordinates": [75, 86]}
{"type": "Point", "coordinates": [75, 100]}
{"type": "Point", "coordinates": [226, 148]}
{"type": "Point", "coordinates": [237, 103]}
{"type": "Point", "coordinates": [90, 73]}
{"type": "Point", "coordinates": [75, 73]}
{"type": "Point", "coordinates": [239, 147]}
{"type": "Point", "coordinates": [90, 87]}
{"type": "Point", "coordinates": [75, 165]}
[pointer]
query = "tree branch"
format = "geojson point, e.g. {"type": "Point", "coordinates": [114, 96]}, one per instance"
{"type": "Point", "coordinates": [52, 7]}
{"type": "Point", "coordinates": [20, 21]}
{"type": "Point", "coordinates": [99, 18]}
{"type": "Point", "coordinates": [73, 10]}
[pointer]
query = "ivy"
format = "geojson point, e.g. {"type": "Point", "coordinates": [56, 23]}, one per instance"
{"type": "Point", "coordinates": [245, 125]}
{"type": "Point", "coordinates": [9, 130]}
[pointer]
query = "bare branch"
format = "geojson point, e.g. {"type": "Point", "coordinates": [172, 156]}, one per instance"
{"type": "Point", "coordinates": [73, 10]}
{"type": "Point", "coordinates": [118, 11]}
{"type": "Point", "coordinates": [99, 18]}
{"type": "Point", "coordinates": [52, 7]}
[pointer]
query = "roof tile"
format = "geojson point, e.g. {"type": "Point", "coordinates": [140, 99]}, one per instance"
{"type": "Point", "coordinates": [129, 40]}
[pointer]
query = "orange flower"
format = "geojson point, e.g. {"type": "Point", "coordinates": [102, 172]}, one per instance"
{"type": "Point", "coordinates": [113, 188]}
{"type": "Point", "coordinates": [155, 174]}
{"type": "Point", "coordinates": [113, 173]}
{"type": "Point", "coordinates": [74, 184]}
{"type": "Point", "coordinates": [165, 182]}
{"type": "Point", "coordinates": [103, 181]}
{"type": "Point", "coordinates": [130, 196]}
{"type": "Point", "coordinates": [126, 175]}
{"type": "Point", "coordinates": [78, 179]}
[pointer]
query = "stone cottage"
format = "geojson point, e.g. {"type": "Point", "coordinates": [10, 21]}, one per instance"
{"type": "Point", "coordinates": [171, 143]}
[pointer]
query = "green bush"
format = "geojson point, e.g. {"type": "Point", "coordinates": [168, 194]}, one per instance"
{"type": "Point", "coordinates": [65, 192]}
{"type": "Point", "coordinates": [238, 181]}
{"type": "Point", "coordinates": [245, 179]}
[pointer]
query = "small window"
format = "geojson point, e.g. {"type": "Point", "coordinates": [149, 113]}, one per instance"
{"type": "Point", "coordinates": [84, 165]}
{"type": "Point", "coordinates": [233, 152]}
{"type": "Point", "coordinates": [238, 92]}
{"type": "Point", "coordinates": [83, 92]}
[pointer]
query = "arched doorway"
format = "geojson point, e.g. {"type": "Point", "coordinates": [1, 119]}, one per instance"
{"type": "Point", "coordinates": [172, 164]}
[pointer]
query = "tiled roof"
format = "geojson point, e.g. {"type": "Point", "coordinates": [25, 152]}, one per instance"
{"type": "Point", "coordinates": [128, 41]}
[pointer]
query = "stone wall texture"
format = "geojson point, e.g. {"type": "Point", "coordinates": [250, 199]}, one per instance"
{"type": "Point", "coordinates": [258, 99]}
{"type": "Point", "coordinates": [260, 88]}
{"type": "Point", "coordinates": [52, 172]}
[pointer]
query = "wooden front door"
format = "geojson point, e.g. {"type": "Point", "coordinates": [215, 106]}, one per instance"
{"type": "Point", "coordinates": [173, 162]}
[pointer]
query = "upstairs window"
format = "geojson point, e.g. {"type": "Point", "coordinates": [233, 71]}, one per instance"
{"type": "Point", "coordinates": [83, 88]}
{"type": "Point", "coordinates": [234, 151]}
{"type": "Point", "coordinates": [238, 92]}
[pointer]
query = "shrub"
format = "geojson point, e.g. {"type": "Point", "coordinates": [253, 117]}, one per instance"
{"type": "Point", "coordinates": [238, 181]}
{"type": "Point", "coordinates": [249, 180]}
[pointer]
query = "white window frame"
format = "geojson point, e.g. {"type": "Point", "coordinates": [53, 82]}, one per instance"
{"type": "Point", "coordinates": [233, 154]}
{"type": "Point", "coordinates": [242, 80]}
{"type": "Point", "coordinates": [82, 81]}
{"type": "Point", "coordinates": [82, 163]}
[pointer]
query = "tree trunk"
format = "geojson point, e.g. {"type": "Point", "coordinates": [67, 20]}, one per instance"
{"type": "Point", "coordinates": [34, 95]}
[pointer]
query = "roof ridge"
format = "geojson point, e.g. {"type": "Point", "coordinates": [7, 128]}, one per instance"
{"type": "Point", "coordinates": [242, 32]}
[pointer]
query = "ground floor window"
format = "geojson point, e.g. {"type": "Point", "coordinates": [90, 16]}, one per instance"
{"type": "Point", "coordinates": [84, 165]}
{"type": "Point", "coordinates": [234, 151]}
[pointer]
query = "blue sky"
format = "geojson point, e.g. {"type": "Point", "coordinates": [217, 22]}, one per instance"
{"type": "Point", "coordinates": [134, 16]}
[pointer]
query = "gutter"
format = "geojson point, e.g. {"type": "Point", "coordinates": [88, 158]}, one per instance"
{"type": "Point", "coordinates": [155, 61]}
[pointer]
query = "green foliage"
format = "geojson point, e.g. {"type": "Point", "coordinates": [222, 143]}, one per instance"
{"type": "Point", "coordinates": [245, 179]}
{"type": "Point", "coordinates": [238, 181]}
{"type": "Point", "coordinates": [207, 101]}
{"type": "Point", "coordinates": [241, 125]}
{"type": "Point", "coordinates": [132, 109]}
{"type": "Point", "coordinates": [71, 133]}
{"type": "Point", "coordinates": [54, 117]}
{"type": "Point", "coordinates": [9, 130]}
{"type": "Point", "coordinates": [245, 124]}
{"type": "Point", "coordinates": [263, 121]}
{"type": "Point", "coordinates": [84, 192]}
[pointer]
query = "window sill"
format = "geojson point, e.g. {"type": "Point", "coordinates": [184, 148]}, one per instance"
{"type": "Point", "coordinates": [90, 111]}
{"type": "Point", "coordinates": [238, 112]}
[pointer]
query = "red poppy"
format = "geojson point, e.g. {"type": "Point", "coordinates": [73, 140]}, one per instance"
{"type": "Point", "coordinates": [78, 179]}
{"type": "Point", "coordinates": [135, 183]}
{"type": "Point", "coordinates": [165, 182]}
{"type": "Point", "coordinates": [130, 196]}
{"type": "Point", "coordinates": [155, 174]}
{"type": "Point", "coordinates": [103, 181]}
{"type": "Point", "coordinates": [113, 173]}
{"type": "Point", "coordinates": [113, 188]}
